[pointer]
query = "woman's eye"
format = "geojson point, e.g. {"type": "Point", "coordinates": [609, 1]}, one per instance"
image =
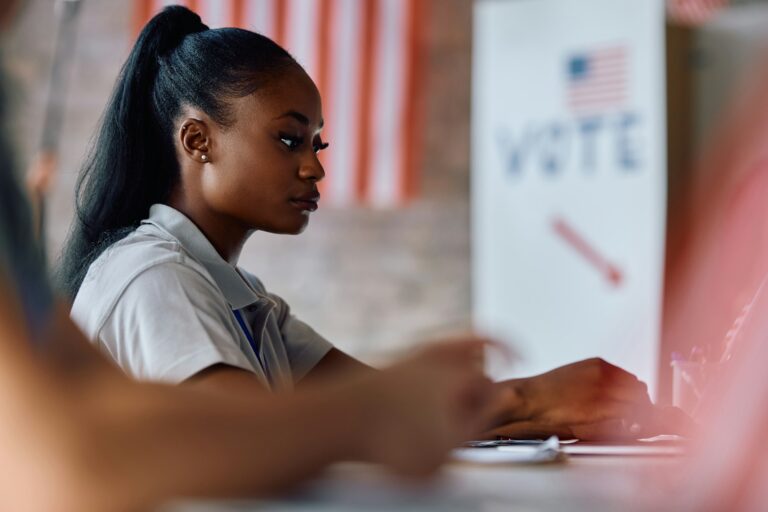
{"type": "Point", "coordinates": [291, 142]}
{"type": "Point", "coordinates": [319, 147]}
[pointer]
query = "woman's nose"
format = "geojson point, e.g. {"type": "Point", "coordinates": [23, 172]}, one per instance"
{"type": "Point", "coordinates": [312, 169]}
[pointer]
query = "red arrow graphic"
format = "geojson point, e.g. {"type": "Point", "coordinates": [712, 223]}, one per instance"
{"type": "Point", "coordinates": [607, 269]}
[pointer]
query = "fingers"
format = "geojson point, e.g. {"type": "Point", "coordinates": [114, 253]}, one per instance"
{"type": "Point", "coordinates": [628, 412]}
{"type": "Point", "coordinates": [609, 430]}
{"type": "Point", "coordinates": [628, 429]}
{"type": "Point", "coordinates": [528, 430]}
{"type": "Point", "coordinates": [632, 423]}
{"type": "Point", "coordinates": [662, 420]}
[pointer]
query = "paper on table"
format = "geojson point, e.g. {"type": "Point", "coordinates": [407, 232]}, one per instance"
{"type": "Point", "coordinates": [621, 449]}
{"type": "Point", "coordinates": [545, 451]}
{"type": "Point", "coordinates": [659, 445]}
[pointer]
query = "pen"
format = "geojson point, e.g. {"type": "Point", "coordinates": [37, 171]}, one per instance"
{"type": "Point", "coordinates": [732, 335]}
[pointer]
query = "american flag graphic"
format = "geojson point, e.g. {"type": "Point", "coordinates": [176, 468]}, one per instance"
{"type": "Point", "coordinates": [366, 58]}
{"type": "Point", "coordinates": [597, 79]}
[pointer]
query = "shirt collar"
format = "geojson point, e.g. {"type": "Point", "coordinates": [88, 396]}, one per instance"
{"type": "Point", "coordinates": [234, 287]}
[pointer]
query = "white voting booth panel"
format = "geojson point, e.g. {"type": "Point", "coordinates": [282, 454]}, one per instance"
{"type": "Point", "coordinates": [569, 180]}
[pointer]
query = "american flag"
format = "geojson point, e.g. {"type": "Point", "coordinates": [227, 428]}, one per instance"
{"type": "Point", "coordinates": [366, 57]}
{"type": "Point", "coordinates": [597, 79]}
{"type": "Point", "coordinates": [693, 12]}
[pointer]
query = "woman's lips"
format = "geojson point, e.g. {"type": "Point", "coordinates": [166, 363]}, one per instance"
{"type": "Point", "coordinates": [308, 205]}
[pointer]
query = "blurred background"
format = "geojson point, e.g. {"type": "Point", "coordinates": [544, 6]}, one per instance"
{"type": "Point", "coordinates": [387, 261]}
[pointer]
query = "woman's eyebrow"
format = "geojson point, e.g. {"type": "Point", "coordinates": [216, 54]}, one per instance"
{"type": "Point", "coordinates": [299, 117]}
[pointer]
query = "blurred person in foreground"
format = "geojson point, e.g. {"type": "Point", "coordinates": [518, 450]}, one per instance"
{"type": "Point", "coordinates": [717, 299]}
{"type": "Point", "coordinates": [727, 467]}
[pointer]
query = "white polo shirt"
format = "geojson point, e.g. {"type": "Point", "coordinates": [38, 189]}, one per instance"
{"type": "Point", "coordinates": [164, 305]}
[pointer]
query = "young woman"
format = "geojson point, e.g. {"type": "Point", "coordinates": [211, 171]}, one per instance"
{"type": "Point", "coordinates": [209, 136]}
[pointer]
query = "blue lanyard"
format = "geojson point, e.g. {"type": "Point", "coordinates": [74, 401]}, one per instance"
{"type": "Point", "coordinates": [248, 335]}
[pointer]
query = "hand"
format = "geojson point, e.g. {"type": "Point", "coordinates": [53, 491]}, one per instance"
{"type": "Point", "coordinates": [589, 399]}
{"type": "Point", "coordinates": [654, 421]}
{"type": "Point", "coordinates": [425, 406]}
{"type": "Point", "coordinates": [661, 420]}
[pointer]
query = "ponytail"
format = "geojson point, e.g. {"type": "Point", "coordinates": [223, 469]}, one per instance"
{"type": "Point", "coordinates": [132, 164]}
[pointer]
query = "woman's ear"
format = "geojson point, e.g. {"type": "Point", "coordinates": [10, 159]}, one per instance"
{"type": "Point", "coordinates": [195, 138]}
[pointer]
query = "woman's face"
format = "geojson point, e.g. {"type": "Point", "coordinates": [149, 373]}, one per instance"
{"type": "Point", "coordinates": [264, 168]}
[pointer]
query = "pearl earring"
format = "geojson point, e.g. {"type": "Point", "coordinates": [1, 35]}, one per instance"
{"type": "Point", "coordinates": [204, 158]}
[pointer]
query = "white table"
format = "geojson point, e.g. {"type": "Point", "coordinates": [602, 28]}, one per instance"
{"type": "Point", "coordinates": [582, 483]}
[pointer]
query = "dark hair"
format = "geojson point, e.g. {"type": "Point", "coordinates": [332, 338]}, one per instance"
{"type": "Point", "coordinates": [132, 164]}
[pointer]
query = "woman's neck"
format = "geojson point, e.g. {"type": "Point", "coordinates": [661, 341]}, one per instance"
{"type": "Point", "coordinates": [226, 235]}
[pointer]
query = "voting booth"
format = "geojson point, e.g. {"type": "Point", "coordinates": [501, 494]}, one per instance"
{"type": "Point", "coordinates": [568, 177]}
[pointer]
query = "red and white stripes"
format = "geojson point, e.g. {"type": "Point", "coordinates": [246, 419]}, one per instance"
{"type": "Point", "coordinates": [366, 58]}
{"type": "Point", "coordinates": [693, 12]}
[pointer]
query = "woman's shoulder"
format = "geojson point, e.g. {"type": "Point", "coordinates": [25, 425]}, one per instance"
{"type": "Point", "coordinates": [137, 252]}
{"type": "Point", "coordinates": [140, 253]}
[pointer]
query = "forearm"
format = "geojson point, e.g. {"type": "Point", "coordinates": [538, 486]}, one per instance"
{"type": "Point", "coordinates": [127, 445]}
{"type": "Point", "coordinates": [205, 446]}
{"type": "Point", "coordinates": [334, 365]}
